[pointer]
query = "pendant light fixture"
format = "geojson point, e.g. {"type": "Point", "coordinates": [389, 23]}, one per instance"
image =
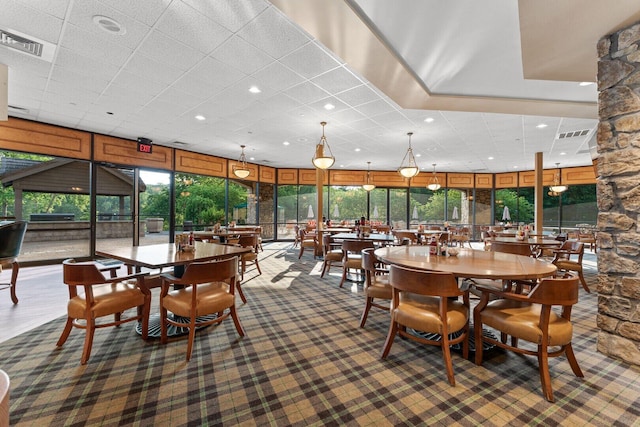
{"type": "Point", "coordinates": [240, 169]}
{"type": "Point", "coordinates": [410, 169]}
{"type": "Point", "coordinates": [323, 158]}
{"type": "Point", "coordinates": [369, 185]}
{"type": "Point", "coordinates": [557, 187]}
{"type": "Point", "coordinates": [434, 184]}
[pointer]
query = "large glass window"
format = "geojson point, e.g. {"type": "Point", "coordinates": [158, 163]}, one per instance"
{"type": "Point", "coordinates": [287, 211]}
{"type": "Point", "coordinates": [307, 205]}
{"type": "Point", "coordinates": [398, 208]}
{"type": "Point", "coordinates": [429, 206]}
{"type": "Point", "coordinates": [378, 206]}
{"type": "Point", "coordinates": [351, 203]}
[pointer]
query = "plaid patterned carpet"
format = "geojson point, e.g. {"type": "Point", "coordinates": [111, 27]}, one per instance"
{"type": "Point", "coordinates": [304, 361]}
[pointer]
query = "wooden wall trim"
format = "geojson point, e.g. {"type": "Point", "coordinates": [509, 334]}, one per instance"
{"type": "Point", "coordinates": [484, 180]}
{"type": "Point", "coordinates": [308, 177]}
{"type": "Point", "coordinates": [460, 180]}
{"type": "Point", "coordinates": [507, 180]}
{"type": "Point", "coordinates": [200, 164]}
{"type": "Point", "coordinates": [579, 175]}
{"type": "Point", "coordinates": [389, 179]}
{"type": "Point", "coordinates": [125, 152]}
{"type": "Point", "coordinates": [347, 177]}
{"type": "Point", "coordinates": [528, 178]}
{"type": "Point", "coordinates": [40, 138]}
{"type": "Point", "coordinates": [267, 174]}
{"type": "Point", "coordinates": [287, 176]}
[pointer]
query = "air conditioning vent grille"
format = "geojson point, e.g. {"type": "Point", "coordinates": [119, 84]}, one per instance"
{"type": "Point", "coordinates": [22, 44]}
{"type": "Point", "coordinates": [573, 134]}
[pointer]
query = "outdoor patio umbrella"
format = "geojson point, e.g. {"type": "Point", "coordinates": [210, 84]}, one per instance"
{"type": "Point", "coordinates": [455, 215]}
{"type": "Point", "coordinates": [415, 212]}
{"type": "Point", "coordinates": [375, 212]}
{"type": "Point", "coordinates": [506, 216]}
{"type": "Point", "coordinates": [310, 213]}
{"type": "Point", "coordinates": [336, 212]}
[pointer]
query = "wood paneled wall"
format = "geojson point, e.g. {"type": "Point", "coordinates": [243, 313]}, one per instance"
{"type": "Point", "coordinates": [200, 164]}
{"type": "Point", "coordinates": [125, 152]}
{"type": "Point", "coordinates": [33, 137]}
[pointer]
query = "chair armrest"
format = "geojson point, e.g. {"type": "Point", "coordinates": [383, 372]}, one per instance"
{"type": "Point", "coordinates": [125, 278]}
{"type": "Point", "coordinates": [500, 294]}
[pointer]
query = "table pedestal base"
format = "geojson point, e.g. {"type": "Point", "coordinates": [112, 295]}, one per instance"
{"type": "Point", "coordinates": [472, 341]}
{"type": "Point", "coordinates": [172, 330]}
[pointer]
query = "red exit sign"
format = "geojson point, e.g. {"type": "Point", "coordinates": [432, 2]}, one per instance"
{"type": "Point", "coordinates": [145, 147]}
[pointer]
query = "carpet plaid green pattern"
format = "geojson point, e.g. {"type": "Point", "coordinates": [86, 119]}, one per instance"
{"type": "Point", "coordinates": [303, 362]}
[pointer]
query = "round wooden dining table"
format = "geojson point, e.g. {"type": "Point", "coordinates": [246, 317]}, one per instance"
{"type": "Point", "coordinates": [469, 263]}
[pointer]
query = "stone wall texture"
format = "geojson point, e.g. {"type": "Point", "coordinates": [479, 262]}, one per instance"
{"type": "Point", "coordinates": [618, 190]}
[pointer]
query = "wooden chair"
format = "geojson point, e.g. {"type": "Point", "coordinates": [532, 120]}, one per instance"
{"type": "Point", "coordinates": [402, 235]}
{"type": "Point", "coordinates": [331, 256]}
{"type": "Point", "coordinates": [383, 228]}
{"type": "Point", "coordinates": [102, 297]}
{"type": "Point", "coordinates": [569, 258]}
{"type": "Point", "coordinates": [4, 399]}
{"type": "Point", "coordinates": [589, 238]}
{"type": "Point", "coordinates": [307, 240]}
{"type": "Point", "coordinates": [376, 285]}
{"type": "Point", "coordinates": [296, 237]}
{"type": "Point", "coordinates": [248, 241]}
{"type": "Point", "coordinates": [461, 236]}
{"type": "Point", "coordinates": [531, 318]}
{"type": "Point", "coordinates": [11, 237]}
{"type": "Point", "coordinates": [352, 256]}
{"type": "Point", "coordinates": [207, 288]}
{"type": "Point", "coordinates": [433, 311]}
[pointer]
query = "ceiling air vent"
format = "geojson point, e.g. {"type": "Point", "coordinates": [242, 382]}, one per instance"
{"type": "Point", "coordinates": [20, 43]}
{"type": "Point", "coordinates": [573, 134]}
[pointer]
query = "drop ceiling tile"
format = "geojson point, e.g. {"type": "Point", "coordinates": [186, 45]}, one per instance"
{"type": "Point", "coordinates": [144, 66]}
{"type": "Point", "coordinates": [375, 108]}
{"type": "Point", "coordinates": [146, 11]}
{"type": "Point", "coordinates": [170, 51]}
{"type": "Point", "coordinates": [183, 23]}
{"type": "Point", "coordinates": [272, 33]}
{"type": "Point", "coordinates": [337, 80]}
{"type": "Point", "coordinates": [22, 17]}
{"type": "Point", "coordinates": [231, 15]}
{"type": "Point", "coordinates": [218, 73]}
{"type": "Point", "coordinates": [70, 60]}
{"type": "Point", "coordinates": [134, 86]}
{"type": "Point", "coordinates": [358, 95]}
{"type": "Point", "coordinates": [306, 92]}
{"type": "Point", "coordinates": [79, 80]}
{"type": "Point", "coordinates": [94, 45]}
{"type": "Point", "coordinates": [239, 54]}
{"type": "Point", "coordinates": [82, 14]}
{"type": "Point", "coordinates": [310, 60]}
{"type": "Point", "coordinates": [277, 76]}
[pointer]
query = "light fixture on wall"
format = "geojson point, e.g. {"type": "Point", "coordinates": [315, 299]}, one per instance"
{"type": "Point", "coordinates": [240, 169]}
{"type": "Point", "coordinates": [410, 169]}
{"type": "Point", "coordinates": [434, 184]}
{"type": "Point", "coordinates": [369, 185]}
{"type": "Point", "coordinates": [557, 187]}
{"type": "Point", "coordinates": [323, 159]}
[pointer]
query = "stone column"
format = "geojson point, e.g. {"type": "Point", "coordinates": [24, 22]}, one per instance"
{"type": "Point", "coordinates": [618, 190]}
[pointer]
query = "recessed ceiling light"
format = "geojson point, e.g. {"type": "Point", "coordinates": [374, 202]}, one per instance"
{"type": "Point", "coordinates": [285, 143]}
{"type": "Point", "coordinates": [200, 117]}
{"type": "Point", "coordinates": [109, 25]}
{"type": "Point", "coordinates": [329, 106]}
{"type": "Point", "coordinates": [586, 83]}
{"type": "Point", "coordinates": [490, 158]}
{"type": "Point", "coordinates": [418, 155]}
{"type": "Point", "coordinates": [254, 89]}
{"type": "Point", "coordinates": [542, 126]}
{"type": "Point", "coordinates": [252, 158]}
{"type": "Point", "coordinates": [303, 139]}
{"type": "Point", "coordinates": [515, 167]}
{"type": "Point", "coordinates": [341, 166]}
{"type": "Point", "coordinates": [563, 154]}
{"type": "Point", "coordinates": [357, 149]}
{"type": "Point", "coordinates": [429, 119]}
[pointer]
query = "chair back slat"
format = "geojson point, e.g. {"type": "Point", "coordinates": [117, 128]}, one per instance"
{"type": "Point", "coordinates": [556, 291]}
{"type": "Point", "coordinates": [435, 283]}
{"type": "Point", "coordinates": [511, 248]}
{"type": "Point", "coordinates": [81, 273]}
